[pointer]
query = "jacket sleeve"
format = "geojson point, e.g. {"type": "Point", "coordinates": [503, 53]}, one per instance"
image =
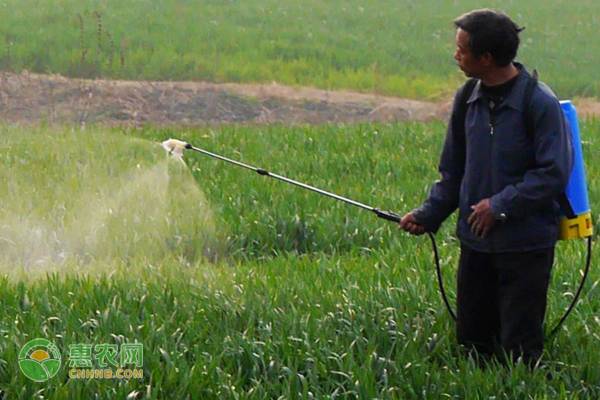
{"type": "Point", "coordinates": [553, 162]}
{"type": "Point", "coordinates": [443, 196]}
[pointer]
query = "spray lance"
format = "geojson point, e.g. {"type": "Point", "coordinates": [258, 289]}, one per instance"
{"type": "Point", "coordinates": [176, 148]}
{"type": "Point", "coordinates": [576, 223]}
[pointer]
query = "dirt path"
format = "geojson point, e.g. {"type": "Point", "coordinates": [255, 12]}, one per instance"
{"type": "Point", "coordinates": [34, 98]}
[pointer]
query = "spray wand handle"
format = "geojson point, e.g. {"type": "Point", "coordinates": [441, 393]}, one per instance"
{"type": "Point", "coordinates": [387, 215]}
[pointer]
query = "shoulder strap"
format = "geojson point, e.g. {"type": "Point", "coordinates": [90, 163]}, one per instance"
{"type": "Point", "coordinates": [461, 99]}
{"type": "Point", "coordinates": [527, 97]}
{"type": "Point", "coordinates": [562, 199]}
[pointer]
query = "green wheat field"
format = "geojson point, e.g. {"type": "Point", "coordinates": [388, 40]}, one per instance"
{"type": "Point", "coordinates": [396, 47]}
{"type": "Point", "coordinates": [239, 286]}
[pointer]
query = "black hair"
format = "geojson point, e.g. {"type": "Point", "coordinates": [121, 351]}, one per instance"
{"type": "Point", "coordinates": [493, 32]}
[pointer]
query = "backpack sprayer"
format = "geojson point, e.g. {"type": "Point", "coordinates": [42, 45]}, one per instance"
{"type": "Point", "coordinates": [575, 223]}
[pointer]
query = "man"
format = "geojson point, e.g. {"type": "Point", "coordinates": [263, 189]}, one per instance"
{"type": "Point", "coordinates": [505, 181]}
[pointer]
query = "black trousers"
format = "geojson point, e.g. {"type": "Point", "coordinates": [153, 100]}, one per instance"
{"type": "Point", "coordinates": [501, 302]}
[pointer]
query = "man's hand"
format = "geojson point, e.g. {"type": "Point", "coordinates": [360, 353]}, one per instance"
{"type": "Point", "coordinates": [409, 224]}
{"type": "Point", "coordinates": [482, 219]}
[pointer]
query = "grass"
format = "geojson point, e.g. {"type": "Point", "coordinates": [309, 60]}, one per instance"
{"type": "Point", "coordinates": [310, 298]}
{"type": "Point", "coordinates": [401, 48]}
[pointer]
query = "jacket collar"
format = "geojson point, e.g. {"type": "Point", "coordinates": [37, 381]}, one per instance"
{"type": "Point", "coordinates": [515, 97]}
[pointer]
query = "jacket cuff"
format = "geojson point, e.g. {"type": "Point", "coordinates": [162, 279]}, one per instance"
{"type": "Point", "coordinates": [426, 219]}
{"type": "Point", "coordinates": [499, 209]}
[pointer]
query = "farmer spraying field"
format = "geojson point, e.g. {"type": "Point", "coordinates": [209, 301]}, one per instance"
{"type": "Point", "coordinates": [511, 162]}
{"type": "Point", "coordinates": [505, 177]}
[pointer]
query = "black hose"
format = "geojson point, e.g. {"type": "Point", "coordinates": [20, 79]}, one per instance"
{"type": "Point", "coordinates": [572, 305]}
{"type": "Point", "coordinates": [562, 319]}
{"type": "Point", "coordinates": [439, 276]}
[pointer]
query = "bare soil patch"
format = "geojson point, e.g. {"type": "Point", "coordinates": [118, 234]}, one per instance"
{"type": "Point", "coordinates": [589, 108]}
{"type": "Point", "coordinates": [31, 98]}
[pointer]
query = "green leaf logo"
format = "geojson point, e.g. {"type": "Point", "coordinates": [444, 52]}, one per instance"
{"type": "Point", "coordinates": [39, 360]}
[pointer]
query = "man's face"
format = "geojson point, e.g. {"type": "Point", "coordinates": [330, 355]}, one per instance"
{"type": "Point", "coordinates": [472, 66]}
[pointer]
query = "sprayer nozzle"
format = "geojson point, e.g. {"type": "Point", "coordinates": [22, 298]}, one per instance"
{"type": "Point", "coordinates": [175, 147]}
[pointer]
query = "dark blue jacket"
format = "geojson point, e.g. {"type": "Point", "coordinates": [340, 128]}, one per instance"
{"type": "Point", "coordinates": [522, 173]}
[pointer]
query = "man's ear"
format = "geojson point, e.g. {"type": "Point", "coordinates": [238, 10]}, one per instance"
{"type": "Point", "coordinates": [487, 59]}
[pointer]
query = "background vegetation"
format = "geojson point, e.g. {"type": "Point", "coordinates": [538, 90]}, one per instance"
{"type": "Point", "coordinates": [309, 298]}
{"type": "Point", "coordinates": [396, 47]}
